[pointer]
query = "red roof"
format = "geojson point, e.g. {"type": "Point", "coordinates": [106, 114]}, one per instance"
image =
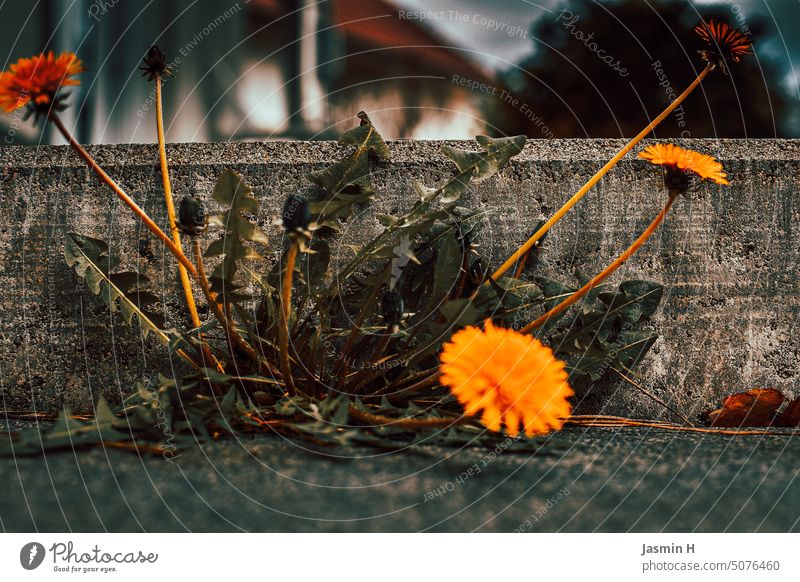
{"type": "Point", "coordinates": [375, 24]}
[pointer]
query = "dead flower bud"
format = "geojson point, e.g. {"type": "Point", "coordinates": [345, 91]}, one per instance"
{"type": "Point", "coordinates": [155, 64]}
{"type": "Point", "coordinates": [392, 307]}
{"type": "Point", "coordinates": [192, 217]}
{"type": "Point", "coordinates": [296, 215]}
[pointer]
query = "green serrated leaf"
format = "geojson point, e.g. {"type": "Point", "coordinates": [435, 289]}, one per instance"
{"type": "Point", "coordinates": [103, 413]}
{"type": "Point", "coordinates": [448, 267]}
{"type": "Point", "coordinates": [499, 152]}
{"type": "Point", "coordinates": [644, 298]}
{"type": "Point", "coordinates": [67, 433]}
{"type": "Point", "coordinates": [349, 181]}
{"type": "Point", "coordinates": [239, 233]}
{"type": "Point", "coordinates": [385, 219]}
{"type": "Point", "coordinates": [452, 316]}
{"type": "Point", "coordinates": [515, 293]}
{"type": "Point", "coordinates": [496, 155]}
{"type": "Point", "coordinates": [630, 304]}
{"type": "Point", "coordinates": [455, 186]}
{"type": "Point", "coordinates": [477, 166]}
{"type": "Point", "coordinates": [314, 265]}
{"type": "Point", "coordinates": [90, 260]}
{"type": "Point", "coordinates": [632, 345]}
{"type": "Point", "coordinates": [553, 292]}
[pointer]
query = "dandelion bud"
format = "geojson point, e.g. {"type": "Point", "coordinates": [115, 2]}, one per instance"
{"type": "Point", "coordinates": [392, 304]}
{"type": "Point", "coordinates": [192, 217]}
{"type": "Point", "coordinates": [296, 214]}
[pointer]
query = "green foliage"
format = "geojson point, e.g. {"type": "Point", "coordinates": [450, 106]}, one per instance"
{"type": "Point", "coordinates": [349, 181]}
{"type": "Point", "coordinates": [69, 432]}
{"type": "Point", "coordinates": [347, 362]}
{"type": "Point", "coordinates": [121, 291]}
{"type": "Point", "coordinates": [483, 165]}
{"type": "Point", "coordinates": [603, 338]}
{"type": "Point", "coordinates": [238, 234]}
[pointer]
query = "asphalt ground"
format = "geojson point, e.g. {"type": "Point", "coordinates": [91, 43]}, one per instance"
{"type": "Point", "coordinates": [579, 480]}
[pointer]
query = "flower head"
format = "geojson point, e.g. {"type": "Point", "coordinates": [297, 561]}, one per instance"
{"type": "Point", "coordinates": [681, 165]}
{"type": "Point", "coordinates": [726, 43]}
{"type": "Point", "coordinates": [513, 378]}
{"type": "Point", "coordinates": [154, 64]}
{"type": "Point", "coordinates": [36, 81]}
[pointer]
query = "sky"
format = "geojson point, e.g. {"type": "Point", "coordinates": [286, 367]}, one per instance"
{"type": "Point", "coordinates": [495, 49]}
{"type": "Point", "coordinates": [467, 24]}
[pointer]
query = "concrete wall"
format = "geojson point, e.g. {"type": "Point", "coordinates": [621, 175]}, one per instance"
{"type": "Point", "coordinates": [727, 256]}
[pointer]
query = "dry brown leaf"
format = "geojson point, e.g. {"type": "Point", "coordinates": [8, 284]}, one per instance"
{"type": "Point", "coordinates": [791, 415]}
{"type": "Point", "coordinates": [757, 407]}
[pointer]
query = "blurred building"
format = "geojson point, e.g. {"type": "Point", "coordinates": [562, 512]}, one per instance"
{"type": "Point", "coordinates": [249, 69]}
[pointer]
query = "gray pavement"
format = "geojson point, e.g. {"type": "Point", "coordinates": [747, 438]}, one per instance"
{"type": "Point", "coordinates": [579, 480]}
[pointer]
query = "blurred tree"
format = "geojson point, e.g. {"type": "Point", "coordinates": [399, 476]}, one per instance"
{"type": "Point", "coordinates": [606, 69]}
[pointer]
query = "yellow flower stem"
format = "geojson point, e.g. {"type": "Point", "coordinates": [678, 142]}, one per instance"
{"type": "Point", "coordinates": [605, 273]}
{"type": "Point", "coordinates": [512, 260]}
{"type": "Point", "coordinates": [141, 214]}
{"type": "Point", "coordinates": [286, 306]}
{"type": "Point", "coordinates": [173, 224]}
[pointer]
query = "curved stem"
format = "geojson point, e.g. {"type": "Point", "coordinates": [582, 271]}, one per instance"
{"type": "Point", "coordinates": [605, 272]}
{"type": "Point", "coordinates": [512, 260]}
{"type": "Point", "coordinates": [109, 181]}
{"type": "Point", "coordinates": [173, 224]}
{"type": "Point", "coordinates": [230, 331]}
{"type": "Point", "coordinates": [286, 306]}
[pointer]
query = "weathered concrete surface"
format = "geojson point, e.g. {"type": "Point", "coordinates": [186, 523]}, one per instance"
{"type": "Point", "coordinates": [579, 480]}
{"type": "Point", "coordinates": [727, 256]}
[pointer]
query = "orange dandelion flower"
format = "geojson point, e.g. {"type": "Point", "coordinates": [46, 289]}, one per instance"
{"type": "Point", "coordinates": [511, 377]}
{"type": "Point", "coordinates": [681, 164]}
{"type": "Point", "coordinates": [36, 80]}
{"type": "Point", "coordinates": [726, 43]}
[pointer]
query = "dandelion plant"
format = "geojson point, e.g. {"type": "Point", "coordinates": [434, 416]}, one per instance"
{"type": "Point", "coordinates": [408, 338]}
